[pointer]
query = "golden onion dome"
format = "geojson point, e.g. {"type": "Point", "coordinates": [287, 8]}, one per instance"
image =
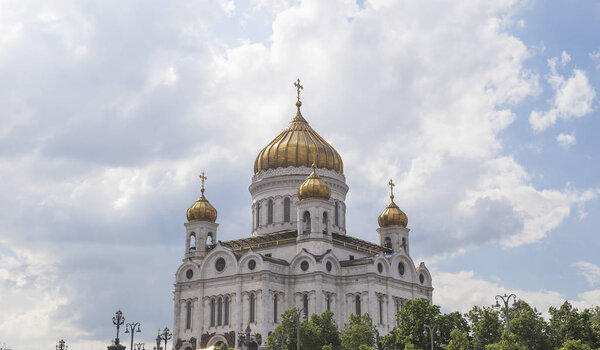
{"type": "Point", "coordinates": [298, 145]}
{"type": "Point", "coordinates": [314, 187]}
{"type": "Point", "coordinates": [202, 210]}
{"type": "Point", "coordinates": [392, 215]}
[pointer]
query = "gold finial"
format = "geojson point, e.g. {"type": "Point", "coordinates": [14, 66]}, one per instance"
{"type": "Point", "coordinates": [391, 183]}
{"type": "Point", "coordinates": [298, 88]}
{"type": "Point", "coordinates": [203, 177]}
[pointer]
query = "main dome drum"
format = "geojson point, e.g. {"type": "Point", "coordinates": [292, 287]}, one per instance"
{"type": "Point", "coordinates": [298, 145]}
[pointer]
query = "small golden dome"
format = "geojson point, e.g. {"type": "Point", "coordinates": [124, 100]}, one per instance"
{"type": "Point", "coordinates": [314, 187]}
{"type": "Point", "coordinates": [202, 210]}
{"type": "Point", "coordinates": [298, 145]}
{"type": "Point", "coordinates": [392, 215]}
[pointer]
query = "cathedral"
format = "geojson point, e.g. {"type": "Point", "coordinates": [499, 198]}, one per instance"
{"type": "Point", "coordinates": [297, 255]}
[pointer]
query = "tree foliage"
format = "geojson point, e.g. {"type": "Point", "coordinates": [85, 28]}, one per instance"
{"type": "Point", "coordinates": [507, 342]}
{"type": "Point", "coordinates": [458, 341]}
{"type": "Point", "coordinates": [486, 326]}
{"type": "Point", "coordinates": [316, 333]}
{"type": "Point", "coordinates": [359, 330]}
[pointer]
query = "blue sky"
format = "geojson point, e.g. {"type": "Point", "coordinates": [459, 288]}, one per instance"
{"type": "Point", "coordinates": [484, 113]}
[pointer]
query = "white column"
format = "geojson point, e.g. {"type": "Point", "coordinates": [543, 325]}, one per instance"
{"type": "Point", "coordinates": [198, 321]}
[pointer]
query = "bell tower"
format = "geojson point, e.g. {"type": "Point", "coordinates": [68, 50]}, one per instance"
{"type": "Point", "coordinates": [392, 229]}
{"type": "Point", "coordinates": [201, 228]}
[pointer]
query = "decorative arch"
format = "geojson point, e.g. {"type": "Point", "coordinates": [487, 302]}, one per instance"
{"type": "Point", "coordinates": [216, 339]}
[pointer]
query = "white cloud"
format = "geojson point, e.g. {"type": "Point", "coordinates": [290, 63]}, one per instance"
{"type": "Point", "coordinates": [595, 56]}
{"type": "Point", "coordinates": [573, 97]}
{"type": "Point", "coordinates": [590, 271]}
{"type": "Point", "coordinates": [566, 140]}
{"type": "Point", "coordinates": [460, 291]}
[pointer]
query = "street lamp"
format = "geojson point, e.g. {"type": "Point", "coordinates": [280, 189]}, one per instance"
{"type": "Point", "coordinates": [166, 336]}
{"type": "Point", "coordinates": [506, 299]}
{"type": "Point", "coordinates": [158, 339]}
{"type": "Point", "coordinates": [431, 329]}
{"type": "Point", "coordinates": [245, 336]}
{"type": "Point", "coordinates": [118, 321]}
{"type": "Point", "coordinates": [131, 328]}
{"type": "Point", "coordinates": [300, 311]}
{"type": "Point", "coordinates": [139, 346]}
{"type": "Point", "coordinates": [61, 345]}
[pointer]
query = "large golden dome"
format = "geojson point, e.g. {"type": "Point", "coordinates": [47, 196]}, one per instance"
{"type": "Point", "coordinates": [298, 145]}
{"type": "Point", "coordinates": [392, 215]}
{"type": "Point", "coordinates": [202, 210]}
{"type": "Point", "coordinates": [314, 187]}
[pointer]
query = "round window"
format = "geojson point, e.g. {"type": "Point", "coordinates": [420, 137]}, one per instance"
{"type": "Point", "coordinates": [422, 278]}
{"type": "Point", "coordinates": [380, 267]}
{"type": "Point", "coordinates": [252, 264]}
{"type": "Point", "coordinates": [220, 264]}
{"type": "Point", "coordinates": [189, 274]}
{"type": "Point", "coordinates": [328, 266]}
{"type": "Point", "coordinates": [401, 268]}
{"type": "Point", "coordinates": [304, 265]}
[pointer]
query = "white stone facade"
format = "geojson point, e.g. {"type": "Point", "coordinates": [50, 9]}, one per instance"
{"type": "Point", "coordinates": [221, 287]}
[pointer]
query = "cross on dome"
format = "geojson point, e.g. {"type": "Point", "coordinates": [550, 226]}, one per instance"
{"type": "Point", "coordinates": [392, 184]}
{"type": "Point", "coordinates": [202, 177]}
{"type": "Point", "coordinates": [298, 87]}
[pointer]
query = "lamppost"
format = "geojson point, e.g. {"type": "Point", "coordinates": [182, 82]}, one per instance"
{"type": "Point", "coordinates": [131, 328]}
{"type": "Point", "coordinates": [300, 311]}
{"type": "Point", "coordinates": [431, 329]}
{"type": "Point", "coordinates": [61, 345]}
{"type": "Point", "coordinates": [118, 321]}
{"type": "Point", "coordinates": [506, 299]}
{"type": "Point", "coordinates": [166, 336]}
{"type": "Point", "coordinates": [158, 339]}
{"type": "Point", "coordinates": [245, 336]}
{"type": "Point", "coordinates": [140, 346]}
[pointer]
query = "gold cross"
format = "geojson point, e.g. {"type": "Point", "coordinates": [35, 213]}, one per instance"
{"type": "Point", "coordinates": [391, 183]}
{"type": "Point", "coordinates": [298, 87]}
{"type": "Point", "coordinates": [203, 177]}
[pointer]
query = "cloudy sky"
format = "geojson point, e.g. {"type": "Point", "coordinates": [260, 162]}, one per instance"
{"type": "Point", "coordinates": [485, 113]}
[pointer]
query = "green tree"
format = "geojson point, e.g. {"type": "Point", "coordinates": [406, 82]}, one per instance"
{"type": "Point", "coordinates": [458, 341]}
{"type": "Point", "coordinates": [567, 323]}
{"type": "Point", "coordinates": [446, 323]}
{"type": "Point", "coordinates": [366, 347]}
{"type": "Point", "coordinates": [327, 347]}
{"type": "Point", "coordinates": [486, 326]}
{"type": "Point", "coordinates": [359, 330]}
{"type": "Point", "coordinates": [410, 346]}
{"type": "Point", "coordinates": [507, 342]}
{"type": "Point", "coordinates": [318, 332]}
{"type": "Point", "coordinates": [414, 314]}
{"type": "Point", "coordinates": [575, 345]}
{"type": "Point", "coordinates": [529, 327]}
{"type": "Point", "coordinates": [223, 346]}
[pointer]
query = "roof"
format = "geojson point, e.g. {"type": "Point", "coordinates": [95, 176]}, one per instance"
{"type": "Point", "coordinates": [282, 237]}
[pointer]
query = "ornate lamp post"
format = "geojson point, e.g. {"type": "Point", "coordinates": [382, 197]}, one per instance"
{"type": "Point", "coordinates": [131, 328]}
{"type": "Point", "coordinates": [158, 339]}
{"type": "Point", "coordinates": [140, 346]}
{"type": "Point", "coordinates": [166, 336]}
{"type": "Point", "coordinates": [118, 321]}
{"type": "Point", "coordinates": [300, 311]}
{"type": "Point", "coordinates": [431, 329]}
{"type": "Point", "coordinates": [245, 336]}
{"type": "Point", "coordinates": [61, 345]}
{"type": "Point", "coordinates": [506, 299]}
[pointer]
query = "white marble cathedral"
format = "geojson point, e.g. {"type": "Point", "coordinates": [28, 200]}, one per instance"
{"type": "Point", "coordinates": [298, 254]}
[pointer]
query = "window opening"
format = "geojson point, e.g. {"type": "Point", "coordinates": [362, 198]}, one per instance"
{"type": "Point", "coordinates": [306, 222]}
{"type": "Point", "coordinates": [286, 209]}
{"type": "Point", "coordinates": [188, 315]}
{"type": "Point", "coordinates": [270, 211]}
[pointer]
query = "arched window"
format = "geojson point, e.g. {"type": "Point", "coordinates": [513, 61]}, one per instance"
{"type": "Point", "coordinates": [226, 312]}
{"type": "Point", "coordinates": [328, 302]}
{"type": "Point", "coordinates": [252, 308]}
{"type": "Point", "coordinates": [380, 300]}
{"type": "Point", "coordinates": [220, 312]}
{"type": "Point", "coordinates": [212, 312]}
{"type": "Point", "coordinates": [188, 315]}
{"type": "Point", "coordinates": [336, 214]}
{"type": "Point", "coordinates": [387, 242]}
{"type": "Point", "coordinates": [270, 211]}
{"type": "Point", "coordinates": [305, 306]}
{"type": "Point", "coordinates": [306, 223]}
{"type": "Point", "coordinates": [257, 214]}
{"type": "Point", "coordinates": [209, 238]}
{"type": "Point", "coordinates": [286, 209]}
{"type": "Point", "coordinates": [275, 312]}
{"type": "Point", "coordinates": [357, 305]}
{"type": "Point", "coordinates": [403, 242]}
{"type": "Point", "coordinates": [325, 223]}
{"type": "Point", "coordinates": [192, 242]}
